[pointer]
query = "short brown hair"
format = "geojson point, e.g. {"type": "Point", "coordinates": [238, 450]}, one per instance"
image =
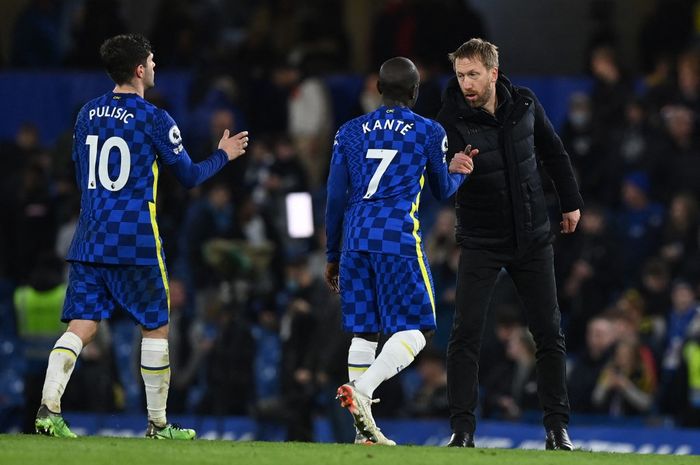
{"type": "Point", "coordinates": [485, 51]}
{"type": "Point", "coordinates": [122, 54]}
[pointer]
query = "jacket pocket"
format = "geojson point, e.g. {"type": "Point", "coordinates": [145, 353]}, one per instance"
{"type": "Point", "coordinates": [527, 206]}
{"type": "Point", "coordinates": [537, 203]}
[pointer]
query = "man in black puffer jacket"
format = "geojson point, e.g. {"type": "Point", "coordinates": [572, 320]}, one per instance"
{"type": "Point", "coordinates": [502, 222]}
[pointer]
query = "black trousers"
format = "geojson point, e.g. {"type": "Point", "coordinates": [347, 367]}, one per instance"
{"type": "Point", "coordinates": [533, 274]}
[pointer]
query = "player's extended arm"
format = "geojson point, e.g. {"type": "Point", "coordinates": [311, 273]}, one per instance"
{"type": "Point", "coordinates": [337, 197]}
{"type": "Point", "coordinates": [192, 174]}
{"type": "Point", "coordinates": [444, 182]}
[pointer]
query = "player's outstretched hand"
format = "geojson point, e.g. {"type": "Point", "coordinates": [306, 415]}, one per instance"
{"type": "Point", "coordinates": [332, 273]}
{"type": "Point", "coordinates": [234, 146]}
{"type": "Point", "coordinates": [463, 162]}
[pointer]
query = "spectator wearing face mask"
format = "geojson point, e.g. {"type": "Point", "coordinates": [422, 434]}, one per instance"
{"type": "Point", "coordinates": [582, 140]}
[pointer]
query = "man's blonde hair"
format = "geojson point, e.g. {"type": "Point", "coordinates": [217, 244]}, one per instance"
{"type": "Point", "coordinates": [485, 51]}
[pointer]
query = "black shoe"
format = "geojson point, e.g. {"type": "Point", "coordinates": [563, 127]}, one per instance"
{"type": "Point", "coordinates": [461, 440]}
{"type": "Point", "coordinates": [558, 439]}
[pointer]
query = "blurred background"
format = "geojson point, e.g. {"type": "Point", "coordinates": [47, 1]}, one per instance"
{"type": "Point", "coordinates": [256, 345]}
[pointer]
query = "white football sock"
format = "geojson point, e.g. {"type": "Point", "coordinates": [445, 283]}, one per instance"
{"type": "Point", "coordinates": [61, 364]}
{"type": "Point", "coordinates": [360, 356]}
{"type": "Point", "coordinates": [398, 352]}
{"type": "Point", "coordinates": [155, 371]}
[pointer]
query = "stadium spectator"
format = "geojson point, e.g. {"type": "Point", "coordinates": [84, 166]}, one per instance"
{"type": "Point", "coordinates": [95, 21]}
{"type": "Point", "coordinates": [208, 219]}
{"type": "Point", "coordinates": [394, 31]}
{"type": "Point", "coordinates": [684, 313]}
{"type": "Point", "coordinates": [590, 156]}
{"type": "Point", "coordinates": [38, 314]}
{"type": "Point", "coordinates": [190, 340]}
{"type": "Point", "coordinates": [690, 416]}
{"type": "Point", "coordinates": [35, 36]}
{"type": "Point", "coordinates": [638, 224]}
{"type": "Point", "coordinates": [258, 170]}
{"type": "Point", "coordinates": [220, 119]}
{"type": "Point", "coordinates": [635, 141]}
{"type": "Point", "coordinates": [688, 83]}
{"type": "Point", "coordinates": [369, 98]}
{"type": "Point", "coordinates": [611, 90]}
{"type": "Point", "coordinates": [494, 356]}
{"type": "Point", "coordinates": [589, 272]}
{"type": "Point", "coordinates": [261, 242]}
{"type": "Point", "coordinates": [502, 223]}
{"type": "Point", "coordinates": [626, 385]}
{"type": "Point", "coordinates": [679, 238]}
{"type": "Point", "coordinates": [586, 365]}
{"type": "Point", "coordinates": [287, 174]}
{"type": "Point", "coordinates": [445, 278]}
{"type": "Point", "coordinates": [679, 168]}
{"type": "Point", "coordinates": [305, 327]}
{"type": "Point", "coordinates": [430, 400]}
{"type": "Point", "coordinates": [655, 289]}
{"type": "Point", "coordinates": [229, 361]}
{"type": "Point", "coordinates": [514, 386]}
{"type": "Point", "coordinates": [310, 119]}
{"type": "Point", "coordinates": [34, 218]}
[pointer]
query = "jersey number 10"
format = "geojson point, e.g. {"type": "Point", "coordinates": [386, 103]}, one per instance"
{"type": "Point", "coordinates": [102, 170]}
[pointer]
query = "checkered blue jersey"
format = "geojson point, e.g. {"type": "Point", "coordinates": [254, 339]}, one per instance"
{"type": "Point", "coordinates": [119, 143]}
{"type": "Point", "coordinates": [376, 177]}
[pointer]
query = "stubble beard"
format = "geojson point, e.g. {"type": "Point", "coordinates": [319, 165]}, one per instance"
{"type": "Point", "coordinates": [482, 100]}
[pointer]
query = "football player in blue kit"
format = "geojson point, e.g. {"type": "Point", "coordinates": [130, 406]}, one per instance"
{"type": "Point", "coordinates": [379, 165]}
{"type": "Point", "coordinates": [120, 143]}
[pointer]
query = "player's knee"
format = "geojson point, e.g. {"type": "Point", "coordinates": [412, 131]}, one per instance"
{"type": "Point", "coordinates": [158, 333]}
{"type": "Point", "coordinates": [84, 329]}
{"type": "Point", "coordinates": [372, 337]}
{"type": "Point", "coordinates": [414, 339]}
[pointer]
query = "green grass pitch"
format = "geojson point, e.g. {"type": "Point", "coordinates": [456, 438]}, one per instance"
{"type": "Point", "coordinates": [29, 450]}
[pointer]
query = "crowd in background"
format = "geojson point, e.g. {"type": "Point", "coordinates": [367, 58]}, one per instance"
{"type": "Point", "coordinates": [254, 329]}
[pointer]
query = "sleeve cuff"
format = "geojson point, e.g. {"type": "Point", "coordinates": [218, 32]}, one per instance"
{"type": "Point", "coordinates": [570, 203]}
{"type": "Point", "coordinates": [222, 153]}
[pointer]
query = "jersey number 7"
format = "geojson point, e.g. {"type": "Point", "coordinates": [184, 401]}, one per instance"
{"type": "Point", "coordinates": [103, 172]}
{"type": "Point", "coordinates": [386, 156]}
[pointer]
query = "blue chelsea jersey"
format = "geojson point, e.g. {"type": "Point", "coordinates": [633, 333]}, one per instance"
{"type": "Point", "coordinates": [380, 162]}
{"type": "Point", "coordinates": [120, 142]}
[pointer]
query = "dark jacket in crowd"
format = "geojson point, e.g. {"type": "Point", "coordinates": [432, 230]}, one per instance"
{"type": "Point", "coordinates": [503, 204]}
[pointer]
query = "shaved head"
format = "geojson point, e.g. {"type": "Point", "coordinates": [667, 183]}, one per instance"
{"type": "Point", "coordinates": [398, 81]}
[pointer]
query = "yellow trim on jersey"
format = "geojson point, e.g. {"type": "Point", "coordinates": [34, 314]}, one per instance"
{"type": "Point", "coordinates": [65, 351]}
{"type": "Point", "coordinates": [408, 348]}
{"type": "Point", "coordinates": [419, 250]}
{"type": "Point", "coordinates": [156, 234]}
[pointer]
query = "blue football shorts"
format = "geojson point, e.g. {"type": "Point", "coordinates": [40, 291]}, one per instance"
{"type": "Point", "coordinates": [385, 293]}
{"type": "Point", "coordinates": [95, 290]}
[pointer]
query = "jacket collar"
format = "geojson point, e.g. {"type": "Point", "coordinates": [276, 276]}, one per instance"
{"type": "Point", "coordinates": [455, 106]}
